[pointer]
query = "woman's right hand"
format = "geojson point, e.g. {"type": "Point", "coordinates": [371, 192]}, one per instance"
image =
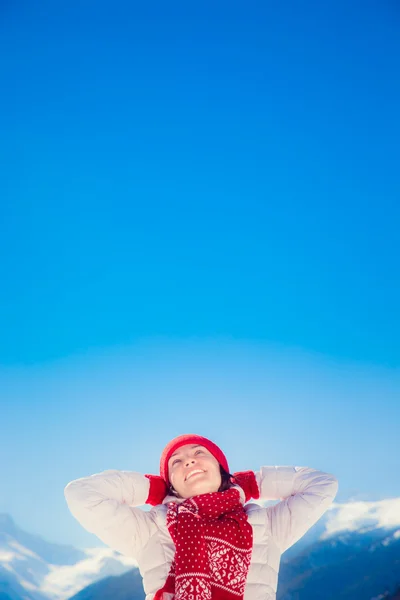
{"type": "Point", "coordinates": [158, 490]}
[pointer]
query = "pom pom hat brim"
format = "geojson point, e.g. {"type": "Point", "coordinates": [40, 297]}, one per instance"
{"type": "Point", "coordinates": [190, 438]}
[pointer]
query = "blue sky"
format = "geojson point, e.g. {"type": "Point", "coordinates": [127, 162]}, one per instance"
{"type": "Point", "coordinates": [200, 209]}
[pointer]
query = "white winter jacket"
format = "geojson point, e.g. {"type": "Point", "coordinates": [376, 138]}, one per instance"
{"type": "Point", "coordinates": [106, 504]}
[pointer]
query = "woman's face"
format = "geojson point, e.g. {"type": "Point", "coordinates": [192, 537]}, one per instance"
{"type": "Point", "coordinates": [193, 470]}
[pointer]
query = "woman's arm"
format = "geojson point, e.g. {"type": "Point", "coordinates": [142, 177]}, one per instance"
{"type": "Point", "coordinates": [104, 505]}
{"type": "Point", "coordinates": [305, 495]}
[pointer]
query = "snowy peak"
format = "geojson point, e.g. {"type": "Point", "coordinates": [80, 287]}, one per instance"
{"type": "Point", "coordinates": [52, 571]}
{"type": "Point", "coordinates": [362, 516]}
{"type": "Point", "coordinates": [51, 553]}
{"type": "Point", "coordinates": [7, 524]}
{"type": "Point", "coordinates": [64, 582]}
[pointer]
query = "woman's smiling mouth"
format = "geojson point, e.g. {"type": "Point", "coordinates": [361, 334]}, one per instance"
{"type": "Point", "coordinates": [194, 472]}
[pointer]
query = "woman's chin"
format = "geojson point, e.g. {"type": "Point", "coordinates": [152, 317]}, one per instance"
{"type": "Point", "coordinates": [201, 487]}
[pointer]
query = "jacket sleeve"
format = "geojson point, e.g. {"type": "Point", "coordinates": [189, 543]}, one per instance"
{"type": "Point", "coordinates": [104, 504]}
{"type": "Point", "coordinates": [305, 495]}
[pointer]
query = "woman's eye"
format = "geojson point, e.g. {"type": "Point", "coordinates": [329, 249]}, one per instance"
{"type": "Point", "coordinates": [176, 460]}
{"type": "Point", "coordinates": [197, 451]}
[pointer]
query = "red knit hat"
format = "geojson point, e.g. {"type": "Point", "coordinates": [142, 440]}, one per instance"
{"type": "Point", "coordinates": [190, 438]}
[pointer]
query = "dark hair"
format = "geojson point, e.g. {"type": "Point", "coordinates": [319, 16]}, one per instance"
{"type": "Point", "coordinates": [225, 482]}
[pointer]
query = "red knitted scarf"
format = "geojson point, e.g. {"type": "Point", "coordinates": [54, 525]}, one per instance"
{"type": "Point", "coordinates": [213, 541]}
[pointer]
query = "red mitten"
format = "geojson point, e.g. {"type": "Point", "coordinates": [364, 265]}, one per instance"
{"type": "Point", "coordinates": [247, 481]}
{"type": "Point", "coordinates": [158, 490]}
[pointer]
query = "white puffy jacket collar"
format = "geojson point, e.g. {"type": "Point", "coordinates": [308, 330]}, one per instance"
{"type": "Point", "coordinates": [171, 498]}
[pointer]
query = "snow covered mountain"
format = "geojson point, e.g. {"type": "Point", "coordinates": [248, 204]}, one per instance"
{"type": "Point", "coordinates": [352, 552]}
{"type": "Point", "coordinates": [34, 569]}
{"type": "Point", "coordinates": [124, 587]}
{"type": "Point", "coordinates": [356, 556]}
{"type": "Point", "coordinates": [355, 565]}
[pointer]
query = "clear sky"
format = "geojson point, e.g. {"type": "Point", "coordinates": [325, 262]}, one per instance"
{"type": "Point", "coordinates": [199, 232]}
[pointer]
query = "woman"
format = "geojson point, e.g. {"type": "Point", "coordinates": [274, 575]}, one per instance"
{"type": "Point", "coordinates": [202, 540]}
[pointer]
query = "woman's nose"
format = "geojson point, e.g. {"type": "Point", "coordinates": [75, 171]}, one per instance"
{"type": "Point", "coordinates": [190, 461]}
